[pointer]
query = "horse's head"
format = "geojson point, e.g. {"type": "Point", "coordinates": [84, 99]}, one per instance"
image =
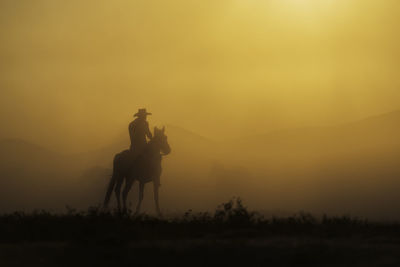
{"type": "Point", "coordinates": [160, 139]}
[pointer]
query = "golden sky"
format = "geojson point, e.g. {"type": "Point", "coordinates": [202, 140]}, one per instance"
{"type": "Point", "coordinates": [72, 73]}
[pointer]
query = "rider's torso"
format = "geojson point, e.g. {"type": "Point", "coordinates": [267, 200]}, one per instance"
{"type": "Point", "coordinates": [137, 132]}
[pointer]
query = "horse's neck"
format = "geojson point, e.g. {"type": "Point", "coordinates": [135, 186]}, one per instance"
{"type": "Point", "coordinates": [151, 149]}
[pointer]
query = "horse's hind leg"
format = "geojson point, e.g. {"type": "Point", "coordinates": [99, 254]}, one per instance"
{"type": "Point", "coordinates": [128, 186]}
{"type": "Point", "coordinates": [109, 190]}
{"type": "Point", "coordinates": [118, 193]}
{"type": "Point", "coordinates": [141, 190]}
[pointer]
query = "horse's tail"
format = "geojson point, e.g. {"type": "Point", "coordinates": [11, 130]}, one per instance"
{"type": "Point", "coordinates": [111, 184]}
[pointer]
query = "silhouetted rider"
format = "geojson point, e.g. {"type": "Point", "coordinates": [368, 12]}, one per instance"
{"type": "Point", "coordinates": [138, 131]}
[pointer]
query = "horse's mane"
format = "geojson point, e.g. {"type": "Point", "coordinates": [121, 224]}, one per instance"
{"type": "Point", "coordinates": [148, 149]}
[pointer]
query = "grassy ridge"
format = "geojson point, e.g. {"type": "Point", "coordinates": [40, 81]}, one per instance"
{"type": "Point", "coordinates": [230, 220]}
{"type": "Point", "coordinates": [230, 236]}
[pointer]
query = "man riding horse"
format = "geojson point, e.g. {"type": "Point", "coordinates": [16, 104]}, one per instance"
{"type": "Point", "coordinates": [141, 163]}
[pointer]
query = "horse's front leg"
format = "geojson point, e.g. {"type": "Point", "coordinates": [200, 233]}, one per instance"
{"type": "Point", "coordinates": [141, 191]}
{"type": "Point", "coordinates": [128, 186]}
{"type": "Point", "coordinates": [156, 186]}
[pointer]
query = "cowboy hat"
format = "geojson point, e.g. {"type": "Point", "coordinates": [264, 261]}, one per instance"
{"type": "Point", "coordinates": [141, 111]}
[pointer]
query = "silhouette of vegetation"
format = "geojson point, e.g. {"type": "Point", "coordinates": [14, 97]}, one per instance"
{"type": "Point", "coordinates": [230, 235]}
{"type": "Point", "coordinates": [95, 224]}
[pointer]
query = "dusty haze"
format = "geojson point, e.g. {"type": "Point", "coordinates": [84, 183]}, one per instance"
{"type": "Point", "coordinates": [290, 104]}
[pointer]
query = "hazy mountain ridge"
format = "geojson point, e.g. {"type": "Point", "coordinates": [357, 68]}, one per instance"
{"type": "Point", "coordinates": [389, 124]}
{"type": "Point", "coordinates": [383, 130]}
{"type": "Point", "coordinates": [9, 146]}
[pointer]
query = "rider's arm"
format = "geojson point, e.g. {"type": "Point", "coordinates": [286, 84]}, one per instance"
{"type": "Point", "coordinates": [130, 129]}
{"type": "Point", "coordinates": [148, 132]}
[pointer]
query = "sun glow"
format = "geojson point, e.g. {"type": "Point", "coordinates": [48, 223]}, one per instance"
{"type": "Point", "coordinates": [295, 12]}
{"type": "Point", "coordinates": [307, 6]}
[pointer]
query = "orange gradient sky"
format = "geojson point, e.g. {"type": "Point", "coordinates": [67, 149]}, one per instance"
{"type": "Point", "coordinates": [72, 73]}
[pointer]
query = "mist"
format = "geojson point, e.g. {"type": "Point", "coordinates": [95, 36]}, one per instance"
{"type": "Point", "coordinates": [291, 106]}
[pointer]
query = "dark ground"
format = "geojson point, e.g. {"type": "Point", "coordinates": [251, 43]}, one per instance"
{"type": "Point", "coordinates": [232, 236]}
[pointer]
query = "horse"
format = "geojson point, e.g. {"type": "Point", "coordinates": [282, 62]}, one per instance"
{"type": "Point", "coordinates": [145, 167]}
